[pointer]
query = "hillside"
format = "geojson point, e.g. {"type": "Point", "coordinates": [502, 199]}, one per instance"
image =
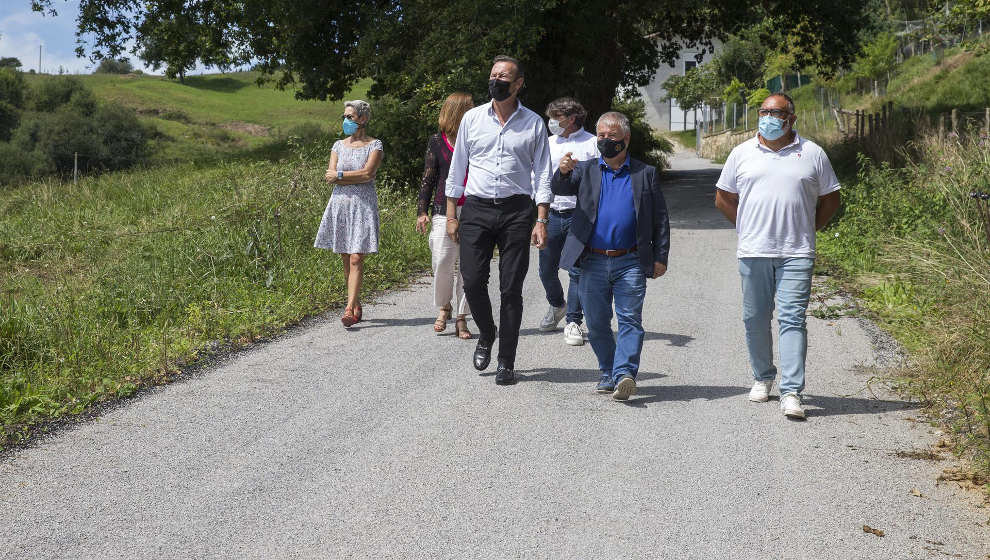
{"type": "Point", "coordinates": [215, 114]}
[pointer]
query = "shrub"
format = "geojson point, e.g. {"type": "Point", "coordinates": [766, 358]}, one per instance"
{"type": "Point", "coordinates": [17, 164]}
{"type": "Point", "coordinates": [9, 119]}
{"type": "Point", "coordinates": [644, 145]}
{"type": "Point", "coordinates": [52, 93]}
{"type": "Point", "coordinates": [113, 66]}
{"type": "Point", "coordinates": [12, 87]}
{"type": "Point", "coordinates": [757, 98]}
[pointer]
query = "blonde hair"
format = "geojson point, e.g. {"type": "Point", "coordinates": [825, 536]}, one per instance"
{"type": "Point", "coordinates": [452, 111]}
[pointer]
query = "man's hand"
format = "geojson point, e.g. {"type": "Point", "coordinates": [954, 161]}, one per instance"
{"type": "Point", "coordinates": [567, 163]}
{"type": "Point", "coordinates": [539, 237]}
{"type": "Point", "coordinates": [452, 230]}
{"type": "Point", "coordinates": [422, 224]}
{"type": "Point", "coordinates": [659, 269]}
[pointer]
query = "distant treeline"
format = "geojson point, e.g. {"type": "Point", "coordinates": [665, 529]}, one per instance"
{"type": "Point", "coordinates": [44, 127]}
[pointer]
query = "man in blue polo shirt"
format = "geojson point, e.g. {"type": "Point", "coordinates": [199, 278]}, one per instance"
{"type": "Point", "coordinates": [619, 237]}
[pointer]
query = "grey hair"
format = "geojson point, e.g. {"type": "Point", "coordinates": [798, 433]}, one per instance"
{"type": "Point", "coordinates": [361, 108]}
{"type": "Point", "coordinates": [614, 118]}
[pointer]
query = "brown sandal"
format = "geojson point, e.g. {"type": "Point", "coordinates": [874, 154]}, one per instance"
{"type": "Point", "coordinates": [348, 319]}
{"type": "Point", "coordinates": [440, 325]}
{"type": "Point", "coordinates": [462, 331]}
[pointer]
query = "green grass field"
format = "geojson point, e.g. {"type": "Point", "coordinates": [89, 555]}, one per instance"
{"type": "Point", "coordinates": [215, 116]}
{"type": "Point", "coordinates": [116, 282]}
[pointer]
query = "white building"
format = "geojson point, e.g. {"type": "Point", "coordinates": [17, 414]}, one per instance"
{"type": "Point", "coordinates": [666, 115]}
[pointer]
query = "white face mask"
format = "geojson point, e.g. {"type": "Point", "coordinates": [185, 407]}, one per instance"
{"type": "Point", "coordinates": [555, 128]}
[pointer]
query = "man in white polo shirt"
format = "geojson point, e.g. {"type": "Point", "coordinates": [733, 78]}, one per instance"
{"type": "Point", "coordinates": [568, 137]}
{"type": "Point", "coordinates": [778, 189]}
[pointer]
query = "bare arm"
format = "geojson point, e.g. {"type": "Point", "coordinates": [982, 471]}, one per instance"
{"type": "Point", "coordinates": [727, 203]}
{"type": "Point", "coordinates": [365, 174]}
{"type": "Point", "coordinates": [828, 205]}
{"type": "Point", "coordinates": [331, 174]}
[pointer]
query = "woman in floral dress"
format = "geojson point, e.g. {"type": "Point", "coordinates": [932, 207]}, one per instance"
{"type": "Point", "coordinates": [350, 222]}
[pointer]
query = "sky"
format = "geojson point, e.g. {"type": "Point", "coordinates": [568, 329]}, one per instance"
{"type": "Point", "coordinates": [22, 31]}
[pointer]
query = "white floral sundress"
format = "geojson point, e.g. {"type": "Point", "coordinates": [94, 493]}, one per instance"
{"type": "Point", "coordinates": [350, 223]}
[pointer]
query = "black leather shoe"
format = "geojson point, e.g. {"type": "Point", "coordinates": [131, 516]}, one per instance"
{"type": "Point", "coordinates": [483, 354]}
{"type": "Point", "coordinates": [505, 375]}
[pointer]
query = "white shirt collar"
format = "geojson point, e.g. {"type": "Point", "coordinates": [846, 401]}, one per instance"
{"type": "Point", "coordinates": [491, 109]}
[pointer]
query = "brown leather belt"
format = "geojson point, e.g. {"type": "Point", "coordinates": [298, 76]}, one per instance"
{"type": "Point", "coordinates": [613, 252]}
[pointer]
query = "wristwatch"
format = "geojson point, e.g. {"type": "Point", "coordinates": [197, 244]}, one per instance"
{"type": "Point", "coordinates": [543, 220]}
{"type": "Point", "coordinates": [340, 175]}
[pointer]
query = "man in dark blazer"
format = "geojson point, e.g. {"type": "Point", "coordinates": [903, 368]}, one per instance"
{"type": "Point", "coordinates": [619, 237]}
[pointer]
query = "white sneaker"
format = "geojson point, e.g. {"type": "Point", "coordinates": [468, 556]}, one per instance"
{"type": "Point", "coordinates": [573, 334]}
{"type": "Point", "coordinates": [790, 404]}
{"type": "Point", "coordinates": [553, 316]}
{"type": "Point", "coordinates": [760, 391]}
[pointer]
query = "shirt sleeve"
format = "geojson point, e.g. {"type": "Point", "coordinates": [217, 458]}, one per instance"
{"type": "Point", "coordinates": [827, 181]}
{"type": "Point", "coordinates": [429, 181]}
{"type": "Point", "coordinates": [459, 162]}
{"type": "Point", "coordinates": [727, 180]}
{"type": "Point", "coordinates": [541, 166]}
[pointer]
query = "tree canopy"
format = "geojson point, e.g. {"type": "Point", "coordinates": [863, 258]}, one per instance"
{"type": "Point", "coordinates": [418, 51]}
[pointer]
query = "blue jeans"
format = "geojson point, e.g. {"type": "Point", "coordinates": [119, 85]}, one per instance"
{"type": "Point", "coordinates": [786, 281]}
{"type": "Point", "coordinates": [619, 279]}
{"type": "Point", "coordinates": [550, 263]}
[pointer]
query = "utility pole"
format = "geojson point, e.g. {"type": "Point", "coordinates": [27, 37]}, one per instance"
{"type": "Point", "coordinates": [39, 59]}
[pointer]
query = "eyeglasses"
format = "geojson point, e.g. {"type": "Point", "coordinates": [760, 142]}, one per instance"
{"type": "Point", "coordinates": [776, 113]}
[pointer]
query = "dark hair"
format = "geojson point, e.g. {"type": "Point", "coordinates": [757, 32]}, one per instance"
{"type": "Point", "coordinates": [568, 106]}
{"type": "Point", "coordinates": [506, 58]}
{"type": "Point", "coordinates": [790, 102]}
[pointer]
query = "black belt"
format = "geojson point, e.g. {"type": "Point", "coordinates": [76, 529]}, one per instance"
{"type": "Point", "coordinates": [562, 212]}
{"type": "Point", "coordinates": [499, 201]}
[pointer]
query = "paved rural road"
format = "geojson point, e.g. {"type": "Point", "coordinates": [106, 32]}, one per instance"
{"type": "Point", "coordinates": [382, 442]}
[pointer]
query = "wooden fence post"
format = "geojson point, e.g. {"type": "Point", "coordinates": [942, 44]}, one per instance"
{"type": "Point", "coordinates": [955, 121]}
{"type": "Point", "coordinates": [986, 121]}
{"type": "Point", "coordinates": [941, 127]}
{"type": "Point", "coordinates": [869, 120]}
{"type": "Point", "coordinates": [883, 118]}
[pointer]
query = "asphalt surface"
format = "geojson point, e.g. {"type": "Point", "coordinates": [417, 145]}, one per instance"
{"type": "Point", "coordinates": [383, 442]}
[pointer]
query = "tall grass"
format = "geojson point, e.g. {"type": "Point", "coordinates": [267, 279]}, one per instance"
{"type": "Point", "coordinates": [116, 282]}
{"type": "Point", "coordinates": [916, 243]}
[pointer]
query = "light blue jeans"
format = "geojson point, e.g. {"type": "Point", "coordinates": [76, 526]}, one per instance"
{"type": "Point", "coordinates": [786, 282]}
{"type": "Point", "coordinates": [620, 281]}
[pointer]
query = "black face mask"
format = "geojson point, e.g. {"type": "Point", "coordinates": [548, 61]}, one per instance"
{"type": "Point", "coordinates": [499, 90]}
{"type": "Point", "coordinates": [610, 148]}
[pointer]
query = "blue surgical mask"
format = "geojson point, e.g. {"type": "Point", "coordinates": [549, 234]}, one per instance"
{"type": "Point", "coordinates": [350, 127]}
{"type": "Point", "coordinates": [771, 128]}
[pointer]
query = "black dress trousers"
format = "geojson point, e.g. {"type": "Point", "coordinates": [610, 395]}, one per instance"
{"type": "Point", "coordinates": [506, 223]}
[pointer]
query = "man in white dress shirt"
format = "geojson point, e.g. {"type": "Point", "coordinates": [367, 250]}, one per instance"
{"type": "Point", "coordinates": [505, 146]}
{"type": "Point", "coordinates": [569, 138]}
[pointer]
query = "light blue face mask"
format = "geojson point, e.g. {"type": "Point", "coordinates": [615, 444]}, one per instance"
{"type": "Point", "coordinates": [771, 128]}
{"type": "Point", "coordinates": [350, 127]}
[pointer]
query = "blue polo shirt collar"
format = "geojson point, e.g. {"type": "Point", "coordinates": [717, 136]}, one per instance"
{"type": "Point", "coordinates": [605, 167]}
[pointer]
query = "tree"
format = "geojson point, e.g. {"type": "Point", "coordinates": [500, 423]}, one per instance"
{"type": "Point", "coordinates": [742, 57]}
{"type": "Point", "coordinates": [699, 85]}
{"type": "Point", "coordinates": [878, 58]}
{"type": "Point", "coordinates": [418, 51]}
{"type": "Point", "coordinates": [114, 66]}
{"type": "Point", "coordinates": [10, 62]}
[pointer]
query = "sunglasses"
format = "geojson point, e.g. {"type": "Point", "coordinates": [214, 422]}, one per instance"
{"type": "Point", "coordinates": [776, 113]}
